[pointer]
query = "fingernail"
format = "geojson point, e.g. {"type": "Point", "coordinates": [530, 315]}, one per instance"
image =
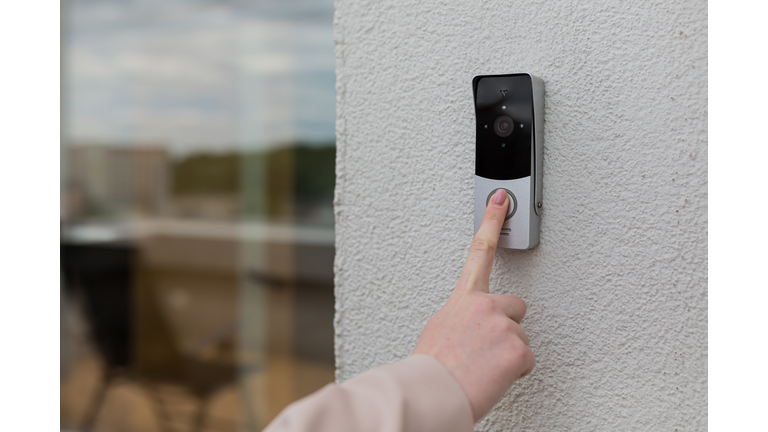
{"type": "Point", "coordinates": [499, 197]}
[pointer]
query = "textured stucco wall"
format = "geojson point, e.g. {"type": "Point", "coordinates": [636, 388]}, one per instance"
{"type": "Point", "coordinates": [617, 290]}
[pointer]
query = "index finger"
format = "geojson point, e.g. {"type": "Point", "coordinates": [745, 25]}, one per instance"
{"type": "Point", "coordinates": [477, 269]}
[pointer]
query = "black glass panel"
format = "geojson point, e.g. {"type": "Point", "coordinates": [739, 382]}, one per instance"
{"type": "Point", "coordinates": [497, 97]}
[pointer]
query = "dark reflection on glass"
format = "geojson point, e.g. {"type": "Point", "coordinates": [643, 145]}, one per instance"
{"type": "Point", "coordinates": [197, 237]}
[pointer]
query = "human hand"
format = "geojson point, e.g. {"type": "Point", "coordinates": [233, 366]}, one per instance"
{"type": "Point", "coordinates": [477, 335]}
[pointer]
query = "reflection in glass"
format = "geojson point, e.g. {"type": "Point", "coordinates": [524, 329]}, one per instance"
{"type": "Point", "coordinates": [197, 232]}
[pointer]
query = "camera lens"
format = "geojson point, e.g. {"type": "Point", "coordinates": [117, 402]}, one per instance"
{"type": "Point", "coordinates": [503, 126]}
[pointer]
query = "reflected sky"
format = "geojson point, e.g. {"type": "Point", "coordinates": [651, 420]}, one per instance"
{"type": "Point", "coordinates": [200, 76]}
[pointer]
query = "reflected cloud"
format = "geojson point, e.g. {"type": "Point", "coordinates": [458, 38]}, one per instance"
{"type": "Point", "coordinates": [198, 76]}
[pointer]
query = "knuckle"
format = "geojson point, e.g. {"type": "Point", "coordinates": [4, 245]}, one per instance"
{"type": "Point", "coordinates": [521, 338]}
{"type": "Point", "coordinates": [526, 361]}
{"type": "Point", "coordinates": [515, 303]}
{"type": "Point", "coordinates": [481, 246]}
{"type": "Point", "coordinates": [530, 361]}
{"type": "Point", "coordinates": [500, 325]}
{"type": "Point", "coordinates": [521, 353]}
{"type": "Point", "coordinates": [523, 306]}
{"type": "Point", "coordinates": [484, 305]}
{"type": "Point", "coordinates": [497, 216]}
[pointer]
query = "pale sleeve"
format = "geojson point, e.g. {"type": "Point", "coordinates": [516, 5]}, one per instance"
{"type": "Point", "coordinates": [416, 394]}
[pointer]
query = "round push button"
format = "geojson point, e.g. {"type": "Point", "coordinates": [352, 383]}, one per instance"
{"type": "Point", "coordinates": [512, 202]}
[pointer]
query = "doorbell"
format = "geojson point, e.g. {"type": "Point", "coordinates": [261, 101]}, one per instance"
{"type": "Point", "coordinates": [509, 110]}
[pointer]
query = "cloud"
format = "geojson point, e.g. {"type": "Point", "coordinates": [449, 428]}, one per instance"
{"type": "Point", "coordinates": [198, 76]}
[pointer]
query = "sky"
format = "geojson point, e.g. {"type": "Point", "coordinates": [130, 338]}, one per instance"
{"type": "Point", "coordinates": [199, 76]}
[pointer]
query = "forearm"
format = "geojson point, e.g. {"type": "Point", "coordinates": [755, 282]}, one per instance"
{"type": "Point", "coordinates": [415, 394]}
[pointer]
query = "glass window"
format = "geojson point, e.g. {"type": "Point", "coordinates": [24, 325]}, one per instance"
{"type": "Point", "coordinates": [197, 189]}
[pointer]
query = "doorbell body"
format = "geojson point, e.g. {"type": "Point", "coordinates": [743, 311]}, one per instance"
{"type": "Point", "coordinates": [509, 110]}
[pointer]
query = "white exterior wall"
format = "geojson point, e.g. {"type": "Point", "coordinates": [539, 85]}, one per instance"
{"type": "Point", "coordinates": [617, 289]}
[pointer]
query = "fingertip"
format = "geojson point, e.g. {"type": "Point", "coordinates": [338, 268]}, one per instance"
{"type": "Point", "coordinates": [500, 198]}
{"type": "Point", "coordinates": [496, 210]}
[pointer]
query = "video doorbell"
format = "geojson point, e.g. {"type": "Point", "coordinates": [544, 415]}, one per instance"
{"type": "Point", "coordinates": [509, 110]}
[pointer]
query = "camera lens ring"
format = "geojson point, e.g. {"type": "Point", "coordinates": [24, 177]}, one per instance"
{"type": "Point", "coordinates": [503, 126]}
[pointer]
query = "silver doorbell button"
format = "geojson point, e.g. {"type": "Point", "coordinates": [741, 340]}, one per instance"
{"type": "Point", "coordinates": [509, 110]}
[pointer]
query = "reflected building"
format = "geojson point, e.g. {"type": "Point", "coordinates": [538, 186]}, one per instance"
{"type": "Point", "coordinates": [109, 180]}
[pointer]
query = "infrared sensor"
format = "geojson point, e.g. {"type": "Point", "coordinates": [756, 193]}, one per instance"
{"type": "Point", "coordinates": [509, 110]}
